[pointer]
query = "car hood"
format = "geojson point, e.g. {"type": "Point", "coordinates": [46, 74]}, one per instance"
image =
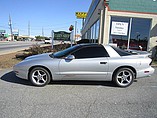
{"type": "Point", "coordinates": [39, 56]}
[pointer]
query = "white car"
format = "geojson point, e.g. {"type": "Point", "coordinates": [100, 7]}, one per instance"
{"type": "Point", "coordinates": [85, 62]}
{"type": "Point", "coordinates": [48, 40]}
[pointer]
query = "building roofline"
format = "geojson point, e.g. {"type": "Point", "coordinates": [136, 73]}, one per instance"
{"type": "Point", "coordinates": [132, 11]}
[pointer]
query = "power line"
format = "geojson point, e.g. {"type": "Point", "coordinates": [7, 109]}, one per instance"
{"type": "Point", "coordinates": [62, 25]}
{"type": "Point", "coordinates": [29, 30]}
{"type": "Point", "coordinates": [3, 26]}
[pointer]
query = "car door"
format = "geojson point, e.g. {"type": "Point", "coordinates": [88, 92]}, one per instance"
{"type": "Point", "coordinates": [90, 63]}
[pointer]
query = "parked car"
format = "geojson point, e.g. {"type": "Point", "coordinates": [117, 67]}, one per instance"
{"type": "Point", "coordinates": [48, 40]}
{"type": "Point", "coordinates": [85, 62]}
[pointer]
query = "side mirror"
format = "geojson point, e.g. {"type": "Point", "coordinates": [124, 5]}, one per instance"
{"type": "Point", "coordinates": [70, 57]}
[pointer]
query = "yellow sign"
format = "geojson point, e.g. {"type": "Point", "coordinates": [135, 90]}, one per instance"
{"type": "Point", "coordinates": [81, 14]}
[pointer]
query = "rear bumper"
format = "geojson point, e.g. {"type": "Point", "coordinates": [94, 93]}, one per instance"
{"type": "Point", "coordinates": [145, 72]}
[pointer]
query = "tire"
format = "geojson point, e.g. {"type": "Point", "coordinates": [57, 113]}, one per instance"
{"type": "Point", "coordinates": [124, 77]}
{"type": "Point", "coordinates": [39, 76]}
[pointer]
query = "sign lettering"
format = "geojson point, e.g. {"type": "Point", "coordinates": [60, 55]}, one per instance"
{"type": "Point", "coordinates": [81, 14]}
{"type": "Point", "coordinates": [119, 28]}
{"type": "Point", "coordinates": [61, 35]}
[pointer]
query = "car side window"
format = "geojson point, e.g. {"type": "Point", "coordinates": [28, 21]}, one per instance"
{"type": "Point", "coordinates": [91, 52]}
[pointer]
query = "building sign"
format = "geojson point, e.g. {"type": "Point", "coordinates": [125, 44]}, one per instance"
{"type": "Point", "coordinates": [81, 15]}
{"type": "Point", "coordinates": [61, 35]}
{"type": "Point", "coordinates": [6, 35]}
{"type": "Point", "coordinates": [15, 32]}
{"type": "Point", "coordinates": [119, 28]}
{"type": "Point", "coordinates": [2, 31]}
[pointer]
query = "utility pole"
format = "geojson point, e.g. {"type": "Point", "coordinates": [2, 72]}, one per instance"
{"type": "Point", "coordinates": [75, 29]}
{"type": "Point", "coordinates": [83, 20]}
{"type": "Point", "coordinates": [10, 25]}
{"type": "Point", "coordinates": [52, 35]}
{"type": "Point", "coordinates": [42, 31]}
{"type": "Point", "coordinates": [28, 28]}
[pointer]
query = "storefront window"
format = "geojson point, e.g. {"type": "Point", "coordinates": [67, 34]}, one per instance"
{"type": "Point", "coordinates": [139, 33]}
{"type": "Point", "coordinates": [93, 37]}
{"type": "Point", "coordinates": [85, 37]}
{"type": "Point", "coordinates": [97, 31]}
{"type": "Point", "coordinates": [132, 33]}
{"type": "Point", "coordinates": [89, 34]}
{"type": "Point", "coordinates": [94, 34]}
{"type": "Point", "coordinates": [119, 31]}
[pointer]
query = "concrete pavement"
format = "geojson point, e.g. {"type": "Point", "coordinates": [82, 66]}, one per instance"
{"type": "Point", "coordinates": [77, 99]}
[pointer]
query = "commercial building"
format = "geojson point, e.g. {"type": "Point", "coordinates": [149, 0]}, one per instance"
{"type": "Point", "coordinates": [128, 24]}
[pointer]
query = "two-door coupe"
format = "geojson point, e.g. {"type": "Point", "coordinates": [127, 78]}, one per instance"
{"type": "Point", "coordinates": [85, 62]}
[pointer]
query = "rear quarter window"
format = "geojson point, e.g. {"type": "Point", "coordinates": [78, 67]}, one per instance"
{"type": "Point", "coordinates": [121, 52]}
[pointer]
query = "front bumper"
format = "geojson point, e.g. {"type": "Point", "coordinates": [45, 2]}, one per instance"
{"type": "Point", "coordinates": [20, 73]}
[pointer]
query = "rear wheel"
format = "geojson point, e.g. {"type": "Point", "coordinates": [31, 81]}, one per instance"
{"type": "Point", "coordinates": [39, 76]}
{"type": "Point", "coordinates": [123, 77]}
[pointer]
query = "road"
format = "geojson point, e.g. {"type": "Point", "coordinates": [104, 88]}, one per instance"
{"type": "Point", "coordinates": [77, 99]}
{"type": "Point", "coordinates": [9, 47]}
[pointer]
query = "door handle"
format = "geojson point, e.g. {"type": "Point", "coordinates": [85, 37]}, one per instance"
{"type": "Point", "coordinates": [103, 62]}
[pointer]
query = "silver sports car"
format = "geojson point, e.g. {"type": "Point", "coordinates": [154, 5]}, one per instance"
{"type": "Point", "coordinates": [85, 62]}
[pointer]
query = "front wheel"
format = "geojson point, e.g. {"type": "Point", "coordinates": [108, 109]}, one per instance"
{"type": "Point", "coordinates": [39, 76]}
{"type": "Point", "coordinates": [123, 77]}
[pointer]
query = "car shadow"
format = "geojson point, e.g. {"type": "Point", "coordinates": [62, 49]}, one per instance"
{"type": "Point", "coordinates": [11, 77]}
{"type": "Point", "coordinates": [88, 83]}
{"type": "Point", "coordinates": [83, 82]}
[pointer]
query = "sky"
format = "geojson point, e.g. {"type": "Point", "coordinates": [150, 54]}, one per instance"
{"type": "Point", "coordinates": [42, 16]}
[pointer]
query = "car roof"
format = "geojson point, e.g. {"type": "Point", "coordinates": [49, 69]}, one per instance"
{"type": "Point", "coordinates": [93, 44]}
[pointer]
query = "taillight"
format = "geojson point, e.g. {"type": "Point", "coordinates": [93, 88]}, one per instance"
{"type": "Point", "coordinates": [146, 71]}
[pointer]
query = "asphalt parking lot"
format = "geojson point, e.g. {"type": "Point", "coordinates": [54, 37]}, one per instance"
{"type": "Point", "coordinates": [77, 99]}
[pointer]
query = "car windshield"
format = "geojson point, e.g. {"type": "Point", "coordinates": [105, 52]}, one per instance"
{"type": "Point", "coordinates": [65, 52]}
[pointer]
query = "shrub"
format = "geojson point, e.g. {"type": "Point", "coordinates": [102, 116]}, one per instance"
{"type": "Point", "coordinates": [60, 47]}
{"type": "Point", "coordinates": [37, 49]}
